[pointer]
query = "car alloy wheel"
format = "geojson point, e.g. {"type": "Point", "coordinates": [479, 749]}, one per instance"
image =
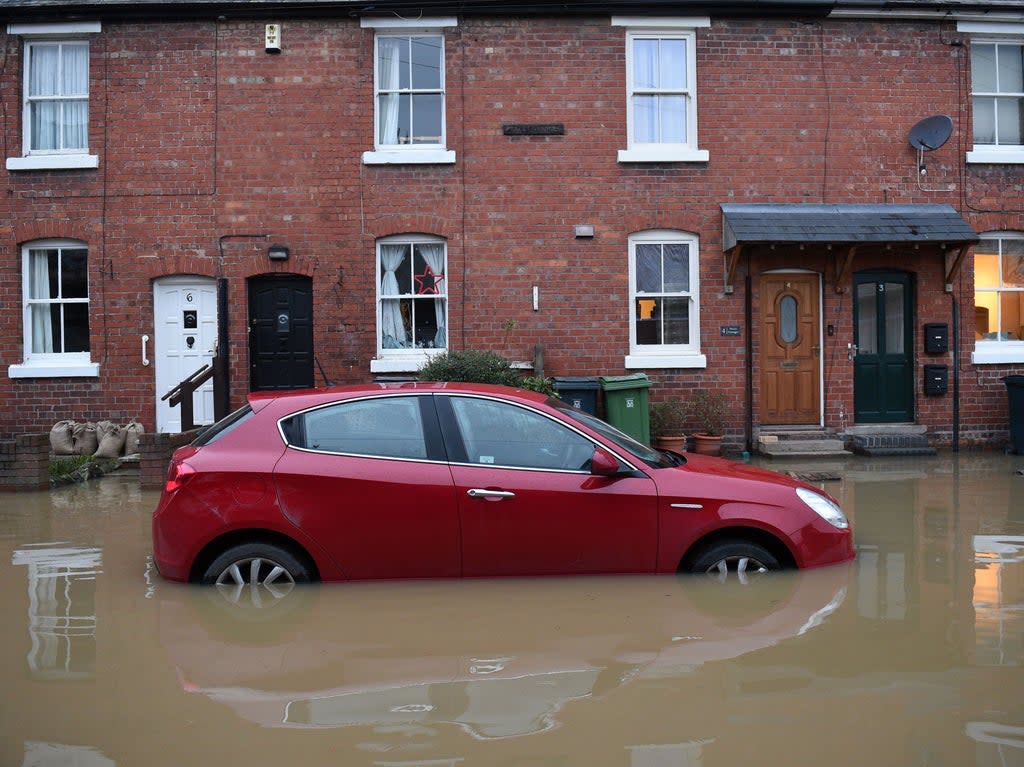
{"type": "Point", "coordinates": [739, 560]}
{"type": "Point", "coordinates": [256, 574]}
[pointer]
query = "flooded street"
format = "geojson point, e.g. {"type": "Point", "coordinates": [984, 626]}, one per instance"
{"type": "Point", "coordinates": [912, 655]}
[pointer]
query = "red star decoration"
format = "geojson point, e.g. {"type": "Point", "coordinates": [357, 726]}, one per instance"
{"type": "Point", "coordinates": [428, 282]}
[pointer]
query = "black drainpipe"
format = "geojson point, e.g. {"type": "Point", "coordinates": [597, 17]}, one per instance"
{"type": "Point", "coordinates": [956, 373]}
{"type": "Point", "coordinates": [748, 316]}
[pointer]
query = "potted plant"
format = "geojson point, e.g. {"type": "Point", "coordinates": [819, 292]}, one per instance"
{"type": "Point", "coordinates": [707, 409]}
{"type": "Point", "coordinates": [668, 421]}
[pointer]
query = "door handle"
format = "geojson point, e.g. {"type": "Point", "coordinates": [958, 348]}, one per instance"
{"type": "Point", "coordinates": [496, 494]}
{"type": "Point", "coordinates": [852, 351]}
{"type": "Point", "coordinates": [145, 359]}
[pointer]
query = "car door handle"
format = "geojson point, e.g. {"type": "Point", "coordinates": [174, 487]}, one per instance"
{"type": "Point", "coordinates": [480, 493]}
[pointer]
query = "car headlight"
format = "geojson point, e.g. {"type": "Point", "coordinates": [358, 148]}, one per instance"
{"type": "Point", "coordinates": [824, 508]}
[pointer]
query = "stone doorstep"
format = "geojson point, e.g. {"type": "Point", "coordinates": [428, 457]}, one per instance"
{"type": "Point", "coordinates": [800, 442]}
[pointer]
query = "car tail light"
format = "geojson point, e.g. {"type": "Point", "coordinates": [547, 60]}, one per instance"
{"type": "Point", "coordinates": [177, 475]}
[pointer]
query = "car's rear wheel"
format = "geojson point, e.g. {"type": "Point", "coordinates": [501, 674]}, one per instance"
{"type": "Point", "coordinates": [256, 571]}
{"type": "Point", "coordinates": [735, 560]}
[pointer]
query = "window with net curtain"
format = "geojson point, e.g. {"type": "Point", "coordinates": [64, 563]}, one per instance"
{"type": "Point", "coordinates": [660, 90]}
{"type": "Point", "coordinates": [410, 91]}
{"type": "Point", "coordinates": [56, 301]}
{"type": "Point", "coordinates": [999, 288]}
{"type": "Point", "coordinates": [57, 96]}
{"type": "Point", "coordinates": [997, 90]}
{"type": "Point", "coordinates": [412, 295]}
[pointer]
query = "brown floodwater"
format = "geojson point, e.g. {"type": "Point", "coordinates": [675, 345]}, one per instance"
{"type": "Point", "coordinates": [912, 655]}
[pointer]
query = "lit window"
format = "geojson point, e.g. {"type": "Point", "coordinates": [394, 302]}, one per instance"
{"type": "Point", "coordinates": [999, 298]}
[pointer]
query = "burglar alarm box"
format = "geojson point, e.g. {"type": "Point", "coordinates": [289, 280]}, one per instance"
{"type": "Point", "coordinates": [936, 379]}
{"type": "Point", "coordinates": [936, 337]}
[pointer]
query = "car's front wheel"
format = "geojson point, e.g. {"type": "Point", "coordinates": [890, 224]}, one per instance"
{"type": "Point", "coordinates": [265, 567]}
{"type": "Point", "coordinates": [734, 560]}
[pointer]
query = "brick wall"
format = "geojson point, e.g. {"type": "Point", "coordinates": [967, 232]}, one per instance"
{"type": "Point", "coordinates": [25, 463]}
{"type": "Point", "coordinates": [210, 149]}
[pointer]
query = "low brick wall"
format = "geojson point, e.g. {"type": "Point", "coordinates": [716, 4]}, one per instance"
{"type": "Point", "coordinates": [25, 463]}
{"type": "Point", "coordinates": [155, 451]}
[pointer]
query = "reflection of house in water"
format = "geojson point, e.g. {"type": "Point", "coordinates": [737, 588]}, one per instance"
{"type": "Point", "coordinates": [62, 608]}
{"type": "Point", "coordinates": [999, 600]}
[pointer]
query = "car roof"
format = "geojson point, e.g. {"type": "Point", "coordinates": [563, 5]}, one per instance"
{"type": "Point", "coordinates": [336, 393]}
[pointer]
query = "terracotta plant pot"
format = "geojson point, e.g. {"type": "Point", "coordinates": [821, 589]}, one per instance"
{"type": "Point", "coordinates": [706, 444]}
{"type": "Point", "coordinates": [676, 444]}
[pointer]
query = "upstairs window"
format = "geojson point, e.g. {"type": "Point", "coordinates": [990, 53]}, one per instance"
{"type": "Point", "coordinates": [664, 306]}
{"type": "Point", "coordinates": [999, 298]}
{"type": "Point", "coordinates": [55, 98]}
{"type": "Point", "coordinates": [55, 287]}
{"type": "Point", "coordinates": [409, 92]}
{"type": "Point", "coordinates": [661, 85]}
{"type": "Point", "coordinates": [997, 91]}
{"type": "Point", "coordinates": [997, 86]}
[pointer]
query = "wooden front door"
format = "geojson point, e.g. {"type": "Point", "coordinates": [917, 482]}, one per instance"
{"type": "Point", "coordinates": [790, 349]}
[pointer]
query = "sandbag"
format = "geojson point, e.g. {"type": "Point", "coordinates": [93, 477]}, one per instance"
{"type": "Point", "coordinates": [85, 439]}
{"type": "Point", "coordinates": [62, 438]}
{"type": "Point", "coordinates": [132, 432]}
{"type": "Point", "coordinates": [111, 443]}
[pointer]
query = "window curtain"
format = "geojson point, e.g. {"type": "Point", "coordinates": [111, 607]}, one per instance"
{"type": "Point", "coordinates": [59, 71]}
{"type": "Point", "coordinates": [76, 83]}
{"type": "Point", "coordinates": [392, 329]}
{"type": "Point", "coordinates": [389, 72]}
{"type": "Point", "coordinates": [433, 255]}
{"type": "Point", "coordinates": [39, 288]}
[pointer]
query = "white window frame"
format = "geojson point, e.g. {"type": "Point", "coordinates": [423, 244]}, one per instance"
{"type": "Point", "coordinates": [990, 33]}
{"type": "Point", "coordinates": [57, 364]}
{"type": "Point", "coordinates": [34, 34]}
{"type": "Point", "coordinates": [666, 355]}
{"type": "Point", "coordinates": [997, 352]}
{"type": "Point", "coordinates": [413, 154]}
{"type": "Point", "coordinates": [681, 28]}
{"type": "Point", "coordinates": [406, 360]}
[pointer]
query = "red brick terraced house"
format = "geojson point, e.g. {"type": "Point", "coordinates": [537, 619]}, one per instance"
{"type": "Point", "coordinates": [814, 207]}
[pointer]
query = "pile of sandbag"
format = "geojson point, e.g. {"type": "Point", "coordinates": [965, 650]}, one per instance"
{"type": "Point", "coordinates": [103, 439]}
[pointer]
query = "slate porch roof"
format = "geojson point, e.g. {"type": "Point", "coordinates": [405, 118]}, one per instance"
{"type": "Point", "coordinates": [751, 224]}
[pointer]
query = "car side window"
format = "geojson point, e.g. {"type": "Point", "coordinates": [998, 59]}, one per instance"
{"type": "Point", "coordinates": [500, 434]}
{"type": "Point", "coordinates": [389, 427]}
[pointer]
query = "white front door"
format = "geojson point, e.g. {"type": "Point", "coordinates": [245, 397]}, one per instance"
{"type": "Point", "coordinates": [185, 328]}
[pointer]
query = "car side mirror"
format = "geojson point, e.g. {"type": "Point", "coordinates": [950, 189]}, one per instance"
{"type": "Point", "coordinates": [603, 463]}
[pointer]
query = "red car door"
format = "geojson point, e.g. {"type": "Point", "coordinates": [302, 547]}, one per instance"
{"type": "Point", "coordinates": [367, 480]}
{"type": "Point", "coordinates": [528, 504]}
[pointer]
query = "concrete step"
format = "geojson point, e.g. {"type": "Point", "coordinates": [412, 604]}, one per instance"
{"type": "Point", "coordinates": [802, 448]}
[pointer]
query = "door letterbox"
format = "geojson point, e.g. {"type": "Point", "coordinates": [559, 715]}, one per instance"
{"type": "Point", "coordinates": [936, 379]}
{"type": "Point", "coordinates": [936, 337]}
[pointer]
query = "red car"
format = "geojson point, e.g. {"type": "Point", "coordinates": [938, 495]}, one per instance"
{"type": "Point", "coordinates": [440, 480]}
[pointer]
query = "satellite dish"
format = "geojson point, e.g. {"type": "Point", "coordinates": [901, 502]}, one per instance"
{"type": "Point", "coordinates": [931, 133]}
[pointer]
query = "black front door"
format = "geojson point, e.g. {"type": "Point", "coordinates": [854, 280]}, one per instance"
{"type": "Point", "coordinates": [280, 332]}
{"type": "Point", "coordinates": [883, 369]}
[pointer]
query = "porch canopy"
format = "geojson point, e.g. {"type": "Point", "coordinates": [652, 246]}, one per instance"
{"type": "Point", "coordinates": [847, 226]}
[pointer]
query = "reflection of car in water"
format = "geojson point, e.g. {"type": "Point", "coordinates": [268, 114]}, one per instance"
{"type": "Point", "coordinates": [497, 659]}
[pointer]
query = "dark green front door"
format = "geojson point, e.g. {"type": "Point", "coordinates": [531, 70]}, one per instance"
{"type": "Point", "coordinates": [883, 368]}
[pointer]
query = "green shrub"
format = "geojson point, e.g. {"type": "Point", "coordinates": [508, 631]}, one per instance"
{"type": "Point", "coordinates": [61, 467]}
{"type": "Point", "coordinates": [473, 366]}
